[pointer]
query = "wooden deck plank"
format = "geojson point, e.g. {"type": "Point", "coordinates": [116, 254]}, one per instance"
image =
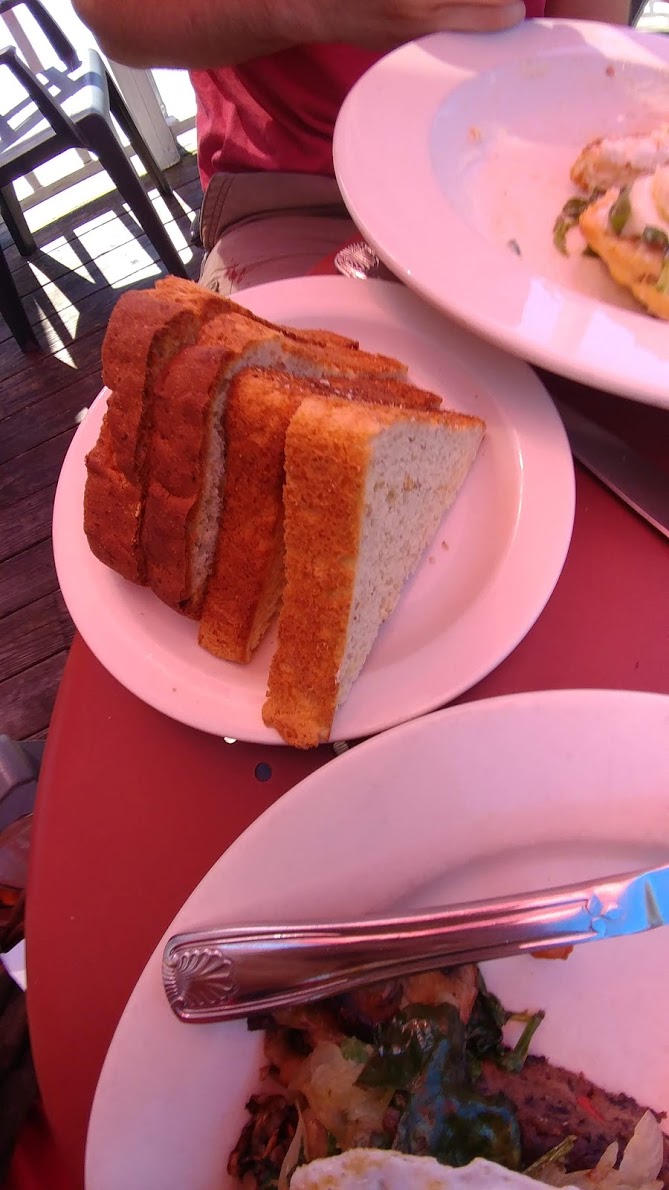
{"type": "Point", "coordinates": [94, 214]}
{"type": "Point", "coordinates": [26, 699]}
{"type": "Point", "coordinates": [32, 633]}
{"type": "Point", "coordinates": [24, 524]}
{"type": "Point", "coordinates": [33, 470]}
{"type": "Point", "coordinates": [26, 398]}
{"type": "Point", "coordinates": [47, 417]}
{"type": "Point", "coordinates": [64, 320]}
{"type": "Point", "coordinates": [51, 269]}
{"type": "Point", "coordinates": [26, 577]}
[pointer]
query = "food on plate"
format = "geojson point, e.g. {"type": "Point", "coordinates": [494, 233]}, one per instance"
{"type": "Point", "coordinates": [624, 219]}
{"type": "Point", "coordinates": [143, 336]}
{"type": "Point", "coordinates": [618, 160]}
{"type": "Point", "coordinates": [246, 582]}
{"type": "Point", "coordinates": [383, 1169]}
{"type": "Point", "coordinates": [632, 239]}
{"type": "Point", "coordinates": [369, 1088]}
{"type": "Point", "coordinates": [366, 488]}
{"type": "Point", "coordinates": [185, 484]}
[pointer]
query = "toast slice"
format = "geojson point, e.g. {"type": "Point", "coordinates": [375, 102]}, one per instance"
{"type": "Point", "coordinates": [632, 262]}
{"type": "Point", "coordinates": [245, 587]}
{"type": "Point", "coordinates": [366, 487]}
{"type": "Point", "coordinates": [143, 336]}
{"type": "Point", "coordinates": [179, 290]}
{"type": "Point", "coordinates": [111, 510]}
{"type": "Point", "coordinates": [234, 331]}
{"type": "Point", "coordinates": [181, 519]}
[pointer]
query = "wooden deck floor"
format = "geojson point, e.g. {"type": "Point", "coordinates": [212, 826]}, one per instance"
{"type": "Point", "coordinates": [85, 261]}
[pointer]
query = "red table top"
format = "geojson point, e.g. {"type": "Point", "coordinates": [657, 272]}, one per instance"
{"type": "Point", "coordinates": [134, 808]}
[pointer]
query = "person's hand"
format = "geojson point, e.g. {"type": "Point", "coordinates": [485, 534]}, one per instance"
{"type": "Point", "coordinates": [382, 24]}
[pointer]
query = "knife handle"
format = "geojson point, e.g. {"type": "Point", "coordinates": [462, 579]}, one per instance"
{"type": "Point", "coordinates": [218, 975]}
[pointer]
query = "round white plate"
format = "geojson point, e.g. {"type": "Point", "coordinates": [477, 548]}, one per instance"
{"type": "Point", "coordinates": [482, 799]}
{"type": "Point", "coordinates": [482, 585]}
{"type": "Point", "coordinates": [454, 146]}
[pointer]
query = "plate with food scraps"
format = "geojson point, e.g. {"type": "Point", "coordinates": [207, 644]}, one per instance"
{"type": "Point", "coordinates": [483, 799]}
{"type": "Point", "coordinates": [481, 583]}
{"type": "Point", "coordinates": [454, 155]}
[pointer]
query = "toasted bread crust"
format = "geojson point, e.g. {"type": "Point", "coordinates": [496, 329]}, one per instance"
{"type": "Point", "coordinates": [327, 457]}
{"type": "Point", "coordinates": [323, 495]}
{"type": "Point", "coordinates": [179, 290]}
{"type": "Point", "coordinates": [246, 581]}
{"type": "Point", "coordinates": [111, 510]}
{"type": "Point", "coordinates": [143, 336]}
{"type": "Point", "coordinates": [182, 430]}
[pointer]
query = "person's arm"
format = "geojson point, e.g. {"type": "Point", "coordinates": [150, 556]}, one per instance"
{"type": "Point", "coordinates": [211, 33]}
{"type": "Point", "coordinates": [614, 12]}
{"type": "Point", "coordinates": [194, 33]}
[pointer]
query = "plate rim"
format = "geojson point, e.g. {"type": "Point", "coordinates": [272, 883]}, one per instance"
{"type": "Point", "coordinates": [593, 700]}
{"type": "Point", "coordinates": [384, 299]}
{"type": "Point", "coordinates": [407, 263]}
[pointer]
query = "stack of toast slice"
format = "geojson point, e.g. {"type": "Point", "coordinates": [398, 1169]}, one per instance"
{"type": "Point", "coordinates": [229, 450]}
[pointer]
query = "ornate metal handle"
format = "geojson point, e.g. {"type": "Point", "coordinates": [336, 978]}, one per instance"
{"type": "Point", "coordinates": [216, 975]}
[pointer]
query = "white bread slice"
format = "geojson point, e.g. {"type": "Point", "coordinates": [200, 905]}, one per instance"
{"type": "Point", "coordinates": [181, 497]}
{"type": "Point", "coordinates": [234, 330]}
{"type": "Point", "coordinates": [186, 459]}
{"type": "Point", "coordinates": [245, 588]}
{"type": "Point", "coordinates": [366, 487]}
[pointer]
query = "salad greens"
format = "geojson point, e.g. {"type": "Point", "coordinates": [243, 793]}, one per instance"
{"type": "Point", "coordinates": [427, 1054]}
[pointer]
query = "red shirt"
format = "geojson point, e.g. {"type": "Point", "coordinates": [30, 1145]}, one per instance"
{"type": "Point", "coordinates": [279, 112]}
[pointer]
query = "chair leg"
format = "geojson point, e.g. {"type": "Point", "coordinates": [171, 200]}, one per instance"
{"type": "Point", "coordinates": [10, 209]}
{"type": "Point", "coordinates": [12, 310]}
{"type": "Point", "coordinates": [119, 109]}
{"type": "Point", "coordinates": [101, 140]}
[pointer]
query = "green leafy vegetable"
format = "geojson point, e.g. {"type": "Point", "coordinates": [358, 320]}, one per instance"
{"type": "Point", "coordinates": [484, 1033]}
{"type": "Point", "coordinates": [554, 1158]}
{"type": "Point", "coordinates": [588, 251]}
{"type": "Point", "coordinates": [620, 211]}
{"type": "Point", "coordinates": [333, 1147]}
{"type": "Point", "coordinates": [455, 1124]}
{"type": "Point", "coordinates": [408, 1042]}
{"type": "Point", "coordinates": [568, 218]}
{"type": "Point", "coordinates": [354, 1050]}
{"type": "Point", "coordinates": [655, 237]}
{"type": "Point", "coordinates": [514, 246]}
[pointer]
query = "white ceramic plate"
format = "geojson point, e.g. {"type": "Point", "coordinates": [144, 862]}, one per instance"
{"type": "Point", "coordinates": [453, 146]}
{"type": "Point", "coordinates": [491, 797]}
{"type": "Point", "coordinates": [487, 577]}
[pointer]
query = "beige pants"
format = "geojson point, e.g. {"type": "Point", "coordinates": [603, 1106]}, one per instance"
{"type": "Point", "coordinates": [265, 227]}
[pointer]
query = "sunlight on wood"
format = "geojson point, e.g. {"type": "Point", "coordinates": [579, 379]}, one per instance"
{"type": "Point", "coordinates": [151, 270]}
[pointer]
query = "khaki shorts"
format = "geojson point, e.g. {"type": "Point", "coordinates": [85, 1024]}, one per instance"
{"type": "Point", "coordinates": [265, 227]}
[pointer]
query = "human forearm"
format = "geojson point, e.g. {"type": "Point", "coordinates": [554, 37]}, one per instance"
{"type": "Point", "coordinates": [211, 33]}
{"type": "Point", "coordinates": [205, 34]}
{"type": "Point", "coordinates": [615, 12]}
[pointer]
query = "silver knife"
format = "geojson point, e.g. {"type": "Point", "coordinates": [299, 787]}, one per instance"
{"type": "Point", "coordinates": [217, 975]}
{"type": "Point", "coordinates": [641, 484]}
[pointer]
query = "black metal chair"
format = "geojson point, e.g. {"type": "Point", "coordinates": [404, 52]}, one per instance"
{"type": "Point", "coordinates": [74, 109]}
